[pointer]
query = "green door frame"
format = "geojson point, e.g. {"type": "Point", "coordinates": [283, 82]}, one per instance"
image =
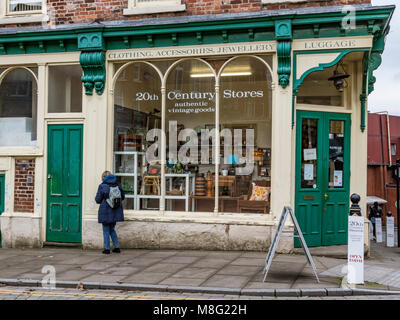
{"type": "Point", "coordinates": [64, 183]}
{"type": "Point", "coordinates": [322, 211]}
{"type": "Point", "coordinates": [2, 192]}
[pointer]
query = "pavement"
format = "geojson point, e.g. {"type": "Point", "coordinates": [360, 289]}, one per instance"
{"type": "Point", "coordinates": [211, 272]}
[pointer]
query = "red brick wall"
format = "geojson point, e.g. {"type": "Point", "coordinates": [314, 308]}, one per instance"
{"type": "Point", "coordinates": [86, 11]}
{"type": "Point", "coordinates": [24, 191]}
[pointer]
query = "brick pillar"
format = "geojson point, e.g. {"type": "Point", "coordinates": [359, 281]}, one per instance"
{"type": "Point", "coordinates": [24, 191]}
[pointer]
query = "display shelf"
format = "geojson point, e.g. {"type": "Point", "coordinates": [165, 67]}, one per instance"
{"type": "Point", "coordinates": [135, 174]}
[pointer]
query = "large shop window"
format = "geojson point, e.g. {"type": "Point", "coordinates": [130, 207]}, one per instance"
{"type": "Point", "coordinates": [18, 107]}
{"type": "Point", "coordinates": [189, 121]}
{"type": "Point", "coordinates": [65, 89]}
{"type": "Point", "coordinates": [213, 160]}
{"type": "Point", "coordinates": [245, 119]}
{"type": "Point", "coordinates": [137, 107]}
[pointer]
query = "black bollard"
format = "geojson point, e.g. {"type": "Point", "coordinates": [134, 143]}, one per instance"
{"type": "Point", "coordinates": [355, 209]}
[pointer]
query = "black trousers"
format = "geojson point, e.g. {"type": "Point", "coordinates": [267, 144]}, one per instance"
{"type": "Point", "coordinates": [373, 229]}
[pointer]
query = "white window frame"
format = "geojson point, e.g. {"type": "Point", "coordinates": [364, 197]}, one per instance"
{"type": "Point", "coordinates": [281, 1]}
{"type": "Point", "coordinates": [7, 17]}
{"type": "Point", "coordinates": [153, 6]}
{"type": "Point", "coordinates": [29, 12]}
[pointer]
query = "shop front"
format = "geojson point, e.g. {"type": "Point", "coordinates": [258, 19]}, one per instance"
{"type": "Point", "coordinates": [211, 128]}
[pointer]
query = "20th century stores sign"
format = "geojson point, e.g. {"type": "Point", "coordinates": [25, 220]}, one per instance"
{"type": "Point", "coordinates": [236, 49]}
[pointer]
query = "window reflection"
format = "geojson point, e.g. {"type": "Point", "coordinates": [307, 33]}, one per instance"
{"type": "Point", "coordinates": [18, 108]}
{"type": "Point", "coordinates": [309, 151]}
{"type": "Point", "coordinates": [336, 153]}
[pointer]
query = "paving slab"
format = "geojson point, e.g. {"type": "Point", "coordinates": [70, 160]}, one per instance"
{"type": "Point", "coordinates": [240, 270]}
{"type": "Point", "coordinates": [103, 278]}
{"type": "Point", "coordinates": [249, 262]}
{"type": "Point", "coordinates": [147, 277]}
{"type": "Point", "coordinates": [196, 273]}
{"type": "Point", "coordinates": [121, 271]}
{"type": "Point", "coordinates": [79, 260]}
{"type": "Point", "coordinates": [140, 262]}
{"type": "Point", "coordinates": [74, 275]}
{"type": "Point", "coordinates": [226, 281]}
{"type": "Point", "coordinates": [183, 281]}
{"type": "Point", "coordinates": [181, 259]}
{"type": "Point", "coordinates": [164, 267]}
{"type": "Point", "coordinates": [211, 263]}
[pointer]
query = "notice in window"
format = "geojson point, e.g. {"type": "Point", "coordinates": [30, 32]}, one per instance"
{"type": "Point", "coordinates": [310, 154]}
{"type": "Point", "coordinates": [308, 172]}
{"type": "Point", "coordinates": [338, 178]}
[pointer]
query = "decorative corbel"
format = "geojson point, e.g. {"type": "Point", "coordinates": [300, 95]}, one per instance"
{"type": "Point", "coordinates": [283, 34]}
{"type": "Point", "coordinates": [174, 39]}
{"type": "Point", "coordinates": [92, 61]}
{"type": "Point", "coordinates": [375, 59]}
{"type": "Point", "coordinates": [150, 40]}
{"type": "Point", "coordinates": [364, 95]}
{"type": "Point", "coordinates": [225, 36]}
{"type": "Point", "coordinates": [199, 37]}
{"type": "Point", "coordinates": [251, 34]}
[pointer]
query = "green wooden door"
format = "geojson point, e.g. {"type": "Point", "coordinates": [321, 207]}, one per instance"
{"type": "Point", "coordinates": [2, 191]}
{"type": "Point", "coordinates": [322, 177]}
{"type": "Point", "coordinates": [64, 183]}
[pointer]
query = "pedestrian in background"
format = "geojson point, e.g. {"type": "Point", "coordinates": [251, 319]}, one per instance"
{"type": "Point", "coordinates": [110, 196]}
{"type": "Point", "coordinates": [374, 212]}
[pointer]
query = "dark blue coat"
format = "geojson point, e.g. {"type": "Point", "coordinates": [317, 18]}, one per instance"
{"type": "Point", "coordinates": [106, 213]}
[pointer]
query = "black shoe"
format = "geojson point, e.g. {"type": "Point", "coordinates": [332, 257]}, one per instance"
{"type": "Point", "coordinates": [106, 251]}
{"type": "Point", "coordinates": [116, 250]}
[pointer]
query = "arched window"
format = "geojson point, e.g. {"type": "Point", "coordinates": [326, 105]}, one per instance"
{"type": "Point", "coordinates": [245, 114]}
{"type": "Point", "coordinates": [190, 112]}
{"type": "Point", "coordinates": [18, 107]}
{"type": "Point", "coordinates": [137, 107]}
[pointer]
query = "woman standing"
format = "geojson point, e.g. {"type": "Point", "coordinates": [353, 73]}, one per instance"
{"type": "Point", "coordinates": [108, 215]}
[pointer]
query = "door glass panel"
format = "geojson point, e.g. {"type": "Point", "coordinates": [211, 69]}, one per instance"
{"type": "Point", "coordinates": [309, 153]}
{"type": "Point", "coordinates": [336, 153]}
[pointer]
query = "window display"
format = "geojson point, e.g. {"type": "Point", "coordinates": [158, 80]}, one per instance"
{"type": "Point", "coordinates": [245, 117]}
{"type": "Point", "coordinates": [137, 106]}
{"type": "Point", "coordinates": [206, 164]}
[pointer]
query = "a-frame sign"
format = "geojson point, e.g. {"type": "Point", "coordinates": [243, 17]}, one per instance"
{"type": "Point", "coordinates": [274, 244]}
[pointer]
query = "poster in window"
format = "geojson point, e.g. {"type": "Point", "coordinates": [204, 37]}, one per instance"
{"type": "Point", "coordinates": [338, 178]}
{"type": "Point", "coordinates": [308, 172]}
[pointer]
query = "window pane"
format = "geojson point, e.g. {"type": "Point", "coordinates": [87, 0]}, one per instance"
{"type": "Point", "coordinates": [137, 107]}
{"type": "Point", "coordinates": [65, 88]}
{"type": "Point", "coordinates": [318, 90]}
{"type": "Point", "coordinates": [18, 109]}
{"type": "Point", "coordinates": [24, 5]}
{"type": "Point", "coordinates": [190, 111]}
{"type": "Point", "coordinates": [393, 148]}
{"type": "Point", "coordinates": [245, 117]}
{"type": "Point", "coordinates": [309, 153]}
{"type": "Point", "coordinates": [336, 153]}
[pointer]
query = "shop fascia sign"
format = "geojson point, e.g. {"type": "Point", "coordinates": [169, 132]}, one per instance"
{"type": "Point", "coordinates": [197, 102]}
{"type": "Point", "coordinates": [333, 43]}
{"type": "Point", "coordinates": [193, 51]}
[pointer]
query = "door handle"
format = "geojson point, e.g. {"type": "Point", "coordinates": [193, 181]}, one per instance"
{"type": "Point", "coordinates": [326, 196]}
